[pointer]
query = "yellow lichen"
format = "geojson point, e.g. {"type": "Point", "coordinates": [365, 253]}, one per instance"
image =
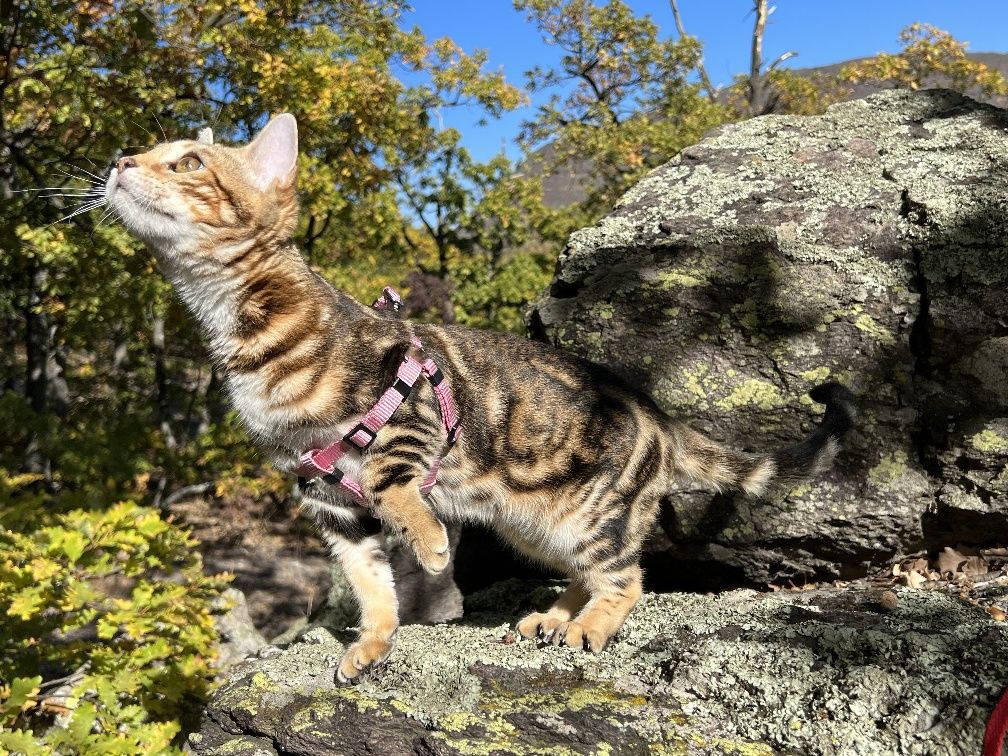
{"type": "Point", "coordinates": [816, 375]}
{"type": "Point", "coordinates": [670, 278]}
{"type": "Point", "coordinates": [869, 325]}
{"type": "Point", "coordinates": [753, 392]}
{"type": "Point", "coordinates": [891, 468]}
{"type": "Point", "coordinates": [989, 442]}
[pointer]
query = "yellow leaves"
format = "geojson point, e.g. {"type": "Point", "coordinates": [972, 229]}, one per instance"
{"type": "Point", "coordinates": [19, 696]}
{"type": "Point", "coordinates": [26, 603]}
{"type": "Point", "coordinates": [928, 53]}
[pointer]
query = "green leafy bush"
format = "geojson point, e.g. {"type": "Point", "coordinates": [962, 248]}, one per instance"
{"type": "Point", "coordinates": [106, 628]}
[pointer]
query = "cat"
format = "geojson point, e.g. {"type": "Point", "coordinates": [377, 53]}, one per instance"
{"type": "Point", "coordinates": [559, 456]}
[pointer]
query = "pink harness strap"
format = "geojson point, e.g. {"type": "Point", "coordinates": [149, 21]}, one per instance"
{"type": "Point", "coordinates": [321, 463]}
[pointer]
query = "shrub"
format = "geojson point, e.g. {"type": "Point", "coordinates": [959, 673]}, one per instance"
{"type": "Point", "coordinates": [106, 628]}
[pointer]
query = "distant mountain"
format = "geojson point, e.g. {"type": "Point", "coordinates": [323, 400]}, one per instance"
{"type": "Point", "coordinates": [566, 186]}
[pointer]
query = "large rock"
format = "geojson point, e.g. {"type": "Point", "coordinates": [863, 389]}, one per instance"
{"type": "Point", "coordinates": [868, 245]}
{"type": "Point", "coordinates": [817, 672]}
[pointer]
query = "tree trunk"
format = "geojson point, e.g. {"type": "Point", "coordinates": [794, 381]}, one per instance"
{"type": "Point", "coordinates": [161, 381]}
{"type": "Point", "coordinates": [38, 348]}
{"type": "Point", "coordinates": [757, 88]}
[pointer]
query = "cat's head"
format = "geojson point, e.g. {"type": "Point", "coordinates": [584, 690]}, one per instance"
{"type": "Point", "coordinates": [196, 200]}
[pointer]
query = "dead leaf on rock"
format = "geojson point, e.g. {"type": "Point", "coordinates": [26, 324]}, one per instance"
{"type": "Point", "coordinates": [914, 579]}
{"type": "Point", "coordinates": [997, 614]}
{"type": "Point", "coordinates": [953, 562]}
{"type": "Point", "coordinates": [949, 560]}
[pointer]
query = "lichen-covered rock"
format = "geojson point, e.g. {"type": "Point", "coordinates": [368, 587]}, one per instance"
{"type": "Point", "coordinates": [237, 635]}
{"type": "Point", "coordinates": [818, 672]}
{"type": "Point", "coordinates": [868, 245]}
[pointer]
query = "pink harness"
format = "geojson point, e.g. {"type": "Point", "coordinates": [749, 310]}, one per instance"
{"type": "Point", "coordinates": [317, 463]}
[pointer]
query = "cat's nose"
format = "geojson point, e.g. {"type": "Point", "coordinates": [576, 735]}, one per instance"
{"type": "Point", "coordinates": [126, 162]}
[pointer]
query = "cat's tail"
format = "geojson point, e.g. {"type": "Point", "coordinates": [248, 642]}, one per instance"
{"type": "Point", "coordinates": [708, 462]}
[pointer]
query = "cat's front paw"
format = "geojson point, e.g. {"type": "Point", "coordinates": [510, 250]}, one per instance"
{"type": "Point", "coordinates": [538, 624]}
{"type": "Point", "coordinates": [368, 650]}
{"type": "Point", "coordinates": [432, 547]}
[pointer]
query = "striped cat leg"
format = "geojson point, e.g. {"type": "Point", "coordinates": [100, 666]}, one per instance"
{"type": "Point", "coordinates": [354, 540]}
{"type": "Point", "coordinates": [406, 510]}
{"type": "Point", "coordinates": [393, 483]}
{"type": "Point", "coordinates": [614, 593]}
{"type": "Point", "coordinates": [543, 624]}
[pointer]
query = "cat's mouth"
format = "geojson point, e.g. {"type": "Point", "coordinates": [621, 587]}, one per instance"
{"type": "Point", "coordinates": [116, 192]}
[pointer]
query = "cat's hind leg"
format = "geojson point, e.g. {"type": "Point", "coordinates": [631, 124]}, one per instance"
{"type": "Point", "coordinates": [567, 605]}
{"type": "Point", "coordinates": [614, 593]}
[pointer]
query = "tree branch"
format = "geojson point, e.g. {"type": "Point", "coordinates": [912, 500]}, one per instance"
{"type": "Point", "coordinates": [701, 69]}
{"type": "Point", "coordinates": [756, 89]}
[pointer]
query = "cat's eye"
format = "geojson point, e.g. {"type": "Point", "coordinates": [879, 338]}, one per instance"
{"type": "Point", "coordinates": [188, 163]}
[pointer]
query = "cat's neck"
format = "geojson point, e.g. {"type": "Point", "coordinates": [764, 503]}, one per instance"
{"type": "Point", "coordinates": [224, 290]}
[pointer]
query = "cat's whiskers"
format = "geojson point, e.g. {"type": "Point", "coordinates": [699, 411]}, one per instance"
{"type": "Point", "coordinates": [158, 122]}
{"type": "Point", "coordinates": [75, 177]}
{"type": "Point", "coordinates": [86, 207]}
{"type": "Point", "coordinates": [142, 128]}
{"type": "Point", "coordinates": [82, 170]}
{"type": "Point", "coordinates": [110, 217]}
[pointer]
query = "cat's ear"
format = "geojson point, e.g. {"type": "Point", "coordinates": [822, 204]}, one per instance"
{"type": "Point", "coordinates": [272, 155]}
{"type": "Point", "coordinates": [205, 136]}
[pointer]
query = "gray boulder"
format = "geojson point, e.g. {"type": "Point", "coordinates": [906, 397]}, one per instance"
{"type": "Point", "coordinates": [869, 246]}
{"type": "Point", "coordinates": [815, 672]}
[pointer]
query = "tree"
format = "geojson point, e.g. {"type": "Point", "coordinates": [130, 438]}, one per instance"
{"type": "Point", "coordinates": [116, 361]}
{"type": "Point", "coordinates": [928, 54]}
{"type": "Point", "coordinates": [622, 99]}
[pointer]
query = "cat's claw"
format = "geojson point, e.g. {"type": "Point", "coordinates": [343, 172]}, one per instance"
{"type": "Point", "coordinates": [577, 635]}
{"type": "Point", "coordinates": [366, 652]}
{"type": "Point", "coordinates": [538, 624]}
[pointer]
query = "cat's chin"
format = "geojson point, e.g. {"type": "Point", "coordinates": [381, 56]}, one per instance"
{"type": "Point", "coordinates": [154, 227]}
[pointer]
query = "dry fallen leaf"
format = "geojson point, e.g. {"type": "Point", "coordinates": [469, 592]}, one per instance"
{"type": "Point", "coordinates": [914, 579]}
{"type": "Point", "coordinates": [955, 562]}
{"type": "Point", "coordinates": [975, 565]}
{"type": "Point", "coordinates": [997, 614]}
{"type": "Point", "coordinates": [949, 560]}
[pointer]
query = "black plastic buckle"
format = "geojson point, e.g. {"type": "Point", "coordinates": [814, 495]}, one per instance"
{"type": "Point", "coordinates": [402, 387]}
{"type": "Point", "coordinates": [436, 377]}
{"type": "Point", "coordinates": [394, 303]}
{"type": "Point", "coordinates": [454, 432]}
{"type": "Point", "coordinates": [349, 437]}
{"type": "Point", "coordinates": [333, 478]}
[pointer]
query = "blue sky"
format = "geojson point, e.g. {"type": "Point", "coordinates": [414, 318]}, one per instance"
{"type": "Point", "coordinates": [821, 31]}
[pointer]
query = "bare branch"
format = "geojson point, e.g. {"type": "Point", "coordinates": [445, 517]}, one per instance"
{"type": "Point", "coordinates": [701, 69]}
{"type": "Point", "coordinates": [757, 95]}
{"type": "Point", "coordinates": [781, 58]}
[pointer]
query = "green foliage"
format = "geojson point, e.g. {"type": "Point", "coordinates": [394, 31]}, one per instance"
{"type": "Point", "coordinates": [106, 636]}
{"type": "Point", "coordinates": [110, 394]}
{"type": "Point", "coordinates": [928, 52]}
{"type": "Point", "coordinates": [790, 92]}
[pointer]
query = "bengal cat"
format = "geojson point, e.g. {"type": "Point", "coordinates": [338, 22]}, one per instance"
{"type": "Point", "coordinates": [563, 459]}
